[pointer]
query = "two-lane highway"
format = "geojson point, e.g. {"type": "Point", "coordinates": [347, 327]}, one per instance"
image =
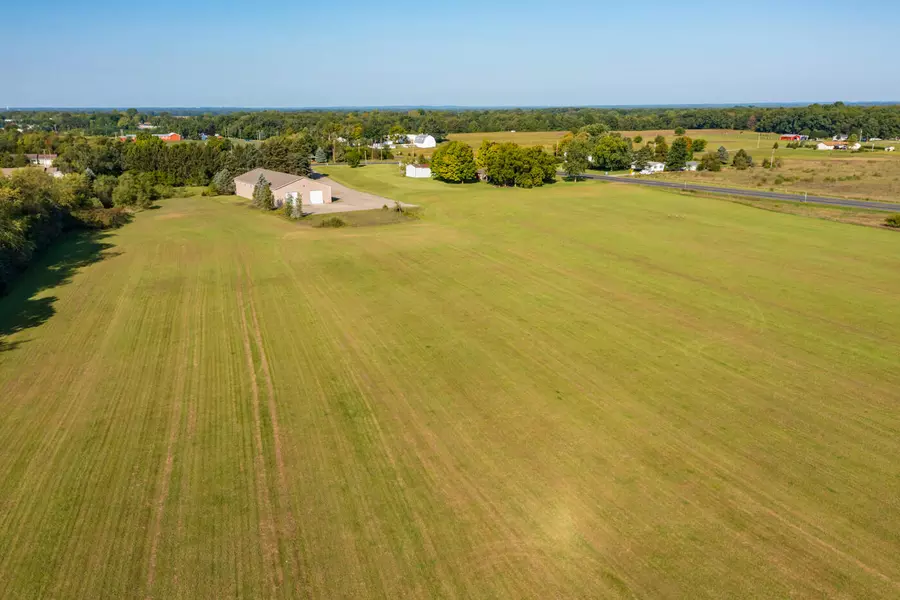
{"type": "Point", "coordinates": [747, 193]}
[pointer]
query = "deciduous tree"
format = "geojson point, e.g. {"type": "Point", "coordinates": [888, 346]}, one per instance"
{"type": "Point", "coordinates": [454, 162]}
{"type": "Point", "coordinates": [612, 153]}
{"type": "Point", "coordinates": [576, 158]}
{"type": "Point", "coordinates": [742, 160]}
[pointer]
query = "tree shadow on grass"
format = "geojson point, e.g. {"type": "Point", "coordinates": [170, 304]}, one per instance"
{"type": "Point", "coordinates": [20, 310]}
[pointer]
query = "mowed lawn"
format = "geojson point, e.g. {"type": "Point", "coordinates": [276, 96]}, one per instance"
{"type": "Point", "coordinates": [586, 390]}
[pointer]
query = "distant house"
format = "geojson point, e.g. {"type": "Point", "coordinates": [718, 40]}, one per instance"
{"type": "Point", "coordinates": [481, 174]}
{"type": "Point", "coordinates": [840, 138]}
{"type": "Point", "coordinates": [652, 167]}
{"type": "Point", "coordinates": [418, 171]}
{"type": "Point", "coordinates": [794, 137]}
{"type": "Point", "coordinates": [832, 146]}
{"type": "Point", "coordinates": [691, 165]}
{"type": "Point", "coordinates": [146, 126]}
{"type": "Point", "coordinates": [41, 160]}
{"type": "Point", "coordinates": [889, 149]}
{"type": "Point", "coordinates": [168, 137]}
{"type": "Point", "coordinates": [285, 187]}
{"type": "Point", "coordinates": [856, 146]}
{"type": "Point", "coordinates": [52, 171]}
{"type": "Point", "coordinates": [422, 140]}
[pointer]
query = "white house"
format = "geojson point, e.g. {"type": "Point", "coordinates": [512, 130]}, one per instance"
{"type": "Point", "coordinates": [824, 146]}
{"type": "Point", "coordinates": [691, 165]}
{"type": "Point", "coordinates": [418, 171]}
{"type": "Point", "coordinates": [856, 146]}
{"type": "Point", "coordinates": [840, 138]}
{"type": "Point", "coordinates": [652, 167]}
{"type": "Point", "coordinates": [422, 140]}
{"type": "Point", "coordinates": [41, 160]}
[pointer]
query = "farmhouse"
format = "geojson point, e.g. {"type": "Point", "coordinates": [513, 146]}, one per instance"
{"type": "Point", "coordinates": [652, 167]}
{"type": "Point", "coordinates": [42, 160]}
{"type": "Point", "coordinates": [691, 165]}
{"type": "Point", "coordinates": [418, 171]}
{"type": "Point", "coordinates": [284, 186]}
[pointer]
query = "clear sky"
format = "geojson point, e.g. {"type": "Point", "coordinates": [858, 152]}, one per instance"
{"type": "Point", "coordinates": [282, 53]}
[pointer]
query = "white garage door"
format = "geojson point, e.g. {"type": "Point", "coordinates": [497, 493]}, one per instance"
{"type": "Point", "coordinates": [315, 197]}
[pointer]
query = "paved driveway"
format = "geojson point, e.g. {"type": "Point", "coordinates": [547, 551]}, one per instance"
{"type": "Point", "coordinates": [346, 199]}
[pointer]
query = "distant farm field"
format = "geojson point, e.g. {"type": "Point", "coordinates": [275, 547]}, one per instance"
{"type": "Point", "coordinates": [547, 139]}
{"type": "Point", "coordinates": [582, 391]}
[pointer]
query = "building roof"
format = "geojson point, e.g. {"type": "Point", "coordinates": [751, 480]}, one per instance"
{"type": "Point", "coordinates": [420, 139]}
{"type": "Point", "coordinates": [32, 156]}
{"type": "Point", "coordinates": [276, 179]}
{"type": "Point", "coordinates": [693, 162]}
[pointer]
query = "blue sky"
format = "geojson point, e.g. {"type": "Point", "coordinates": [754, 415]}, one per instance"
{"type": "Point", "coordinates": [354, 53]}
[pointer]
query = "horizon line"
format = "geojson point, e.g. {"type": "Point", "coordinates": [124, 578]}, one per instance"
{"type": "Point", "coordinates": [349, 107]}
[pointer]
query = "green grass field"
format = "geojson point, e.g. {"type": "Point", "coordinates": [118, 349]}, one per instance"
{"type": "Point", "coordinates": [586, 390]}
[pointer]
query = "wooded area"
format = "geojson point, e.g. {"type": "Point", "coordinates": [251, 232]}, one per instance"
{"type": "Point", "coordinates": [817, 120]}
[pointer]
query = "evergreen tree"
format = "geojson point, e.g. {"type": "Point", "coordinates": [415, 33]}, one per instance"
{"type": "Point", "coordinates": [321, 157]}
{"type": "Point", "coordinates": [642, 157]}
{"type": "Point", "coordinates": [297, 208]}
{"type": "Point", "coordinates": [661, 150]}
{"type": "Point", "coordinates": [223, 182]}
{"type": "Point", "coordinates": [722, 153]}
{"type": "Point", "coordinates": [261, 192]}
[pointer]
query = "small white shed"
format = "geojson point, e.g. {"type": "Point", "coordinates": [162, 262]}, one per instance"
{"type": "Point", "coordinates": [418, 171]}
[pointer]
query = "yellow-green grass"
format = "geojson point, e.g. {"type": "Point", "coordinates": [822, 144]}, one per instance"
{"type": "Point", "coordinates": [585, 390]}
{"type": "Point", "coordinates": [547, 139]}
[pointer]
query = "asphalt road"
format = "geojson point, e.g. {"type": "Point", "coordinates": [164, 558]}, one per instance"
{"type": "Point", "coordinates": [749, 193]}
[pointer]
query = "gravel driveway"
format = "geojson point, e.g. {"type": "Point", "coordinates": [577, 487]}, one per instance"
{"type": "Point", "coordinates": [346, 199]}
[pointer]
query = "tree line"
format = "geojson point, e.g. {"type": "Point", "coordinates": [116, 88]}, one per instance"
{"type": "Point", "coordinates": [35, 209]}
{"type": "Point", "coordinates": [325, 126]}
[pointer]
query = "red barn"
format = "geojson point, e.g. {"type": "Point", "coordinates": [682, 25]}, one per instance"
{"type": "Point", "coordinates": [168, 137]}
{"type": "Point", "coordinates": [791, 137]}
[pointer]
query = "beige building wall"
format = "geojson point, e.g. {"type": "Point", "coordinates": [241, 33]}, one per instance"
{"type": "Point", "coordinates": [244, 190]}
{"type": "Point", "coordinates": [303, 187]}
